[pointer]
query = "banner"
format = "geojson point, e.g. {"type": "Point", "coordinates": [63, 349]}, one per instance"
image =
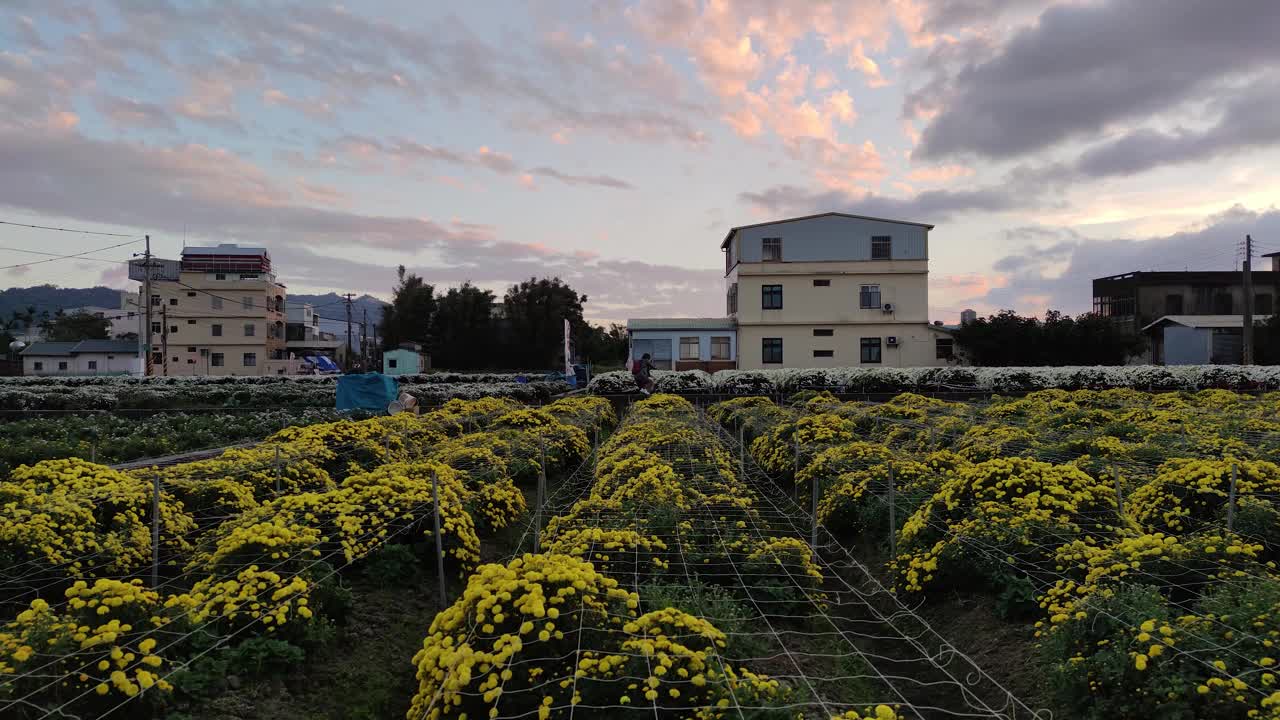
{"type": "Point", "coordinates": [568, 359]}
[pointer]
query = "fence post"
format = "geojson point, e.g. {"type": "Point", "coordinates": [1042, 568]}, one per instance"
{"type": "Point", "coordinates": [742, 453]}
{"type": "Point", "coordinates": [277, 469]}
{"type": "Point", "coordinates": [386, 444]}
{"type": "Point", "coordinates": [93, 452]}
{"type": "Point", "coordinates": [893, 514]}
{"type": "Point", "coordinates": [813, 512]}
{"type": "Point", "coordinates": [542, 485]}
{"type": "Point", "coordinates": [155, 531]}
{"type": "Point", "coordinates": [1231, 499]}
{"type": "Point", "coordinates": [1115, 476]}
{"type": "Point", "coordinates": [795, 468]}
{"type": "Point", "coordinates": [595, 441]}
{"type": "Point", "coordinates": [435, 501]}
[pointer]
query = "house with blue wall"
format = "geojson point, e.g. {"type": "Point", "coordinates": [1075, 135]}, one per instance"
{"type": "Point", "coordinates": [708, 344]}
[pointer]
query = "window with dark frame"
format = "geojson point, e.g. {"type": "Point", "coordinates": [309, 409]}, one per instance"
{"type": "Point", "coordinates": [191, 322]}
{"type": "Point", "coordinates": [822, 283]}
{"type": "Point", "coordinates": [771, 351]}
{"type": "Point", "coordinates": [215, 302]}
{"type": "Point", "coordinates": [246, 302]}
{"type": "Point", "coordinates": [824, 353]}
{"type": "Point", "coordinates": [173, 301]}
{"type": "Point", "coordinates": [720, 348]}
{"type": "Point", "coordinates": [771, 250]}
{"type": "Point", "coordinates": [250, 330]}
{"type": "Point", "coordinates": [1173, 304]}
{"type": "Point", "coordinates": [93, 364]}
{"type": "Point", "coordinates": [944, 348]}
{"type": "Point", "coordinates": [690, 348]}
{"type": "Point", "coordinates": [1263, 304]}
{"type": "Point", "coordinates": [173, 329]}
{"type": "Point", "coordinates": [731, 299]}
{"type": "Point", "coordinates": [870, 350]}
{"type": "Point", "coordinates": [392, 363]}
{"type": "Point", "coordinates": [191, 348]}
{"type": "Point", "coordinates": [37, 365]}
{"type": "Point", "coordinates": [869, 297]}
{"type": "Point", "coordinates": [250, 360]}
{"type": "Point", "coordinates": [217, 330]}
{"type": "Point", "coordinates": [771, 297]}
{"type": "Point", "coordinates": [156, 328]}
{"type": "Point", "coordinates": [217, 359]}
{"type": "Point", "coordinates": [823, 332]}
{"type": "Point", "coordinates": [881, 247]}
{"type": "Point", "coordinates": [62, 364]}
{"type": "Point", "coordinates": [191, 293]}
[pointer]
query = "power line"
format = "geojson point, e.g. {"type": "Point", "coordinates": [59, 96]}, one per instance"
{"type": "Point", "coordinates": [64, 257]}
{"type": "Point", "coordinates": [69, 230]}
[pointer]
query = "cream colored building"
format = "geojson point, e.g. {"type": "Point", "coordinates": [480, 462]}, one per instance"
{"type": "Point", "coordinates": [224, 315]}
{"type": "Point", "coordinates": [832, 290]}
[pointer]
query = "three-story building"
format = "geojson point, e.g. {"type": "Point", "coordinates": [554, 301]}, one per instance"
{"type": "Point", "coordinates": [832, 290]}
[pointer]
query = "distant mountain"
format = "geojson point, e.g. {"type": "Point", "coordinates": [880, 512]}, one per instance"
{"type": "Point", "coordinates": [52, 298]}
{"type": "Point", "coordinates": [332, 309]}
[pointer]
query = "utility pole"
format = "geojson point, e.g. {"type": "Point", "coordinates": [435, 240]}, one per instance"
{"type": "Point", "coordinates": [1247, 354]}
{"type": "Point", "coordinates": [164, 338]}
{"type": "Point", "coordinates": [364, 340]}
{"type": "Point", "coordinates": [146, 301]}
{"type": "Point", "coordinates": [348, 296]}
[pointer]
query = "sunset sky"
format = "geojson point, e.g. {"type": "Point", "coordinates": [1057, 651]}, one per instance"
{"type": "Point", "coordinates": [614, 142]}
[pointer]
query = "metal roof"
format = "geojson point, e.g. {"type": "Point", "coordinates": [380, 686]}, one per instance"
{"type": "Point", "coordinates": [729, 236]}
{"type": "Point", "coordinates": [681, 324]}
{"type": "Point", "coordinates": [225, 249]}
{"type": "Point", "coordinates": [1202, 321]}
{"type": "Point", "coordinates": [47, 349]}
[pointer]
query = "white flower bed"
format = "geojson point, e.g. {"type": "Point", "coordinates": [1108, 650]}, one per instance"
{"type": "Point", "coordinates": [990, 379]}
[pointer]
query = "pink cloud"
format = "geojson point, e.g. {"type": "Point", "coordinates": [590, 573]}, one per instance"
{"type": "Point", "coordinates": [939, 173]}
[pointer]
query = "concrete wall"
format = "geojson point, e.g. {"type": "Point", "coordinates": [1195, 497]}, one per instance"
{"type": "Point", "coordinates": [831, 238]}
{"type": "Point", "coordinates": [904, 284]}
{"type": "Point", "coordinates": [916, 345]}
{"type": "Point", "coordinates": [79, 364]}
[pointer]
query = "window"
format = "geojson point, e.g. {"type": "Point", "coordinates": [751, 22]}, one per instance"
{"type": "Point", "coordinates": [659, 352]}
{"type": "Point", "coordinates": [191, 348]}
{"type": "Point", "coordinates": [392, 363]}
{"type": "Point", "coordinates": [191, 293]}
{"type": "Point", "coordinates": [215, 302]}
{"type": "Point", "coordinates": [731, 299]}
{"type": "Point", "coordinates": [1262, 304]}
{"type": "Point", "coordinates": [155, 300]}
{"type": "Point", "coordinates": [155, 328]}
{"type": "Point", "coordinates": [217, 359]}
{"type": "Point", "coordinates": [824, 353]}
{"type": "Point", "coordinates": [869, 297]}
{"type": "Point", "coordinates": [37, 365]}
{"type": "Point", "coordinates": [191, 322]}
{"type": "Point", "coordinates": [881, 247]}
{"type": "Point", "coordinates": [823, 332]}
{"type": "Point", "coordinates": [771, 250]}
{"type": "Point", "coordinates": [93, 364]}
{"type": "Point", "coordinates": [62, 364]}
{"type": "Point", "coordinates": [771, 350]}
{"type": "Point", "coordinates": [191, 361]}
{"type": "Point", "coordinates": [249, 329]}
{"type": "Point", "coordinates": [217, 330]}
{"type": "Point", "coordinates": [175, 358]}
{"type": "Point", "coordinates": [250, 360]}
{"type": "Point", "coordinates": [771, 297]}
{"type": "Point", "coordinates": [1222, 304]}
{"type": "Point", "coordinates": [870, 350]}
{"type": "Point", "coordinates": [173, 301]}
{"type": "Point", "coordinates": [173, 329]}
{"type": "Point", "coordinates": [1173, 304]}
{"type": "Point", "coordinates": [247, 302]}
{"type": "Point", "coordinates": [720, 348]}
{"type": "Point", "coordinates": [944, 348]}
{"type": "Point", "coordinates": [690, 348]}
{"type": "Point", "coordinates": [822, 283]}
{"type": "Point", "coordinates": [219, 276]}
{"type": "Point", "coordinates": [156, 358]}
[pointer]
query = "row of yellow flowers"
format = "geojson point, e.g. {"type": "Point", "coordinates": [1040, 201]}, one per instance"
{"type": "Point", "coordinates": [253, 555]}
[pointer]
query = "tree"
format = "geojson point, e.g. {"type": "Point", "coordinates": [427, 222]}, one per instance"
{"type": "Point", "coordinates": [1008, 339]}
{"type": "Point", "coordinates": [462, 336]}
{"type": "Point", "coordinates": [76, 326]}
{"type": "Point", "coordinates": [536, 311]}
{"type": "Point", "coordinates": [18, 321]}
{"type": "Point", "coordinates": [408, 317]}
{"type": "Point", "coordinates": [607, 347]}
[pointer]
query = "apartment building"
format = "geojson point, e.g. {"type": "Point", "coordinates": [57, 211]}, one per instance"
{"type": "Point", "coordinates": [832, 290]}
{"type": "Point", "coordinates": [224, 314]}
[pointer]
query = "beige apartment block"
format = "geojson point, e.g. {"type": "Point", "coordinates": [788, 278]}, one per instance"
{"type": "Point", "coordinates": [223, 315]}
{"type": "Point", "coordinates": [832, 290]}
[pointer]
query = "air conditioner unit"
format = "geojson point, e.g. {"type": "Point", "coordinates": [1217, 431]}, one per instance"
{"type": "Point", "coordinates": [892, 341]}
{"type": "Point", "coordinates": [887, 307]}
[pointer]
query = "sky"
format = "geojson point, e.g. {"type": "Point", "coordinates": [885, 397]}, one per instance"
{"type": "Point", "coordinates": [613, 143]}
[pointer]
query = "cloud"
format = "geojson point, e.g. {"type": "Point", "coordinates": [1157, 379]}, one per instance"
{"type": "Point", "coordinates": [1084, 68]}
{"type": "Point", "coordinates": [315, 108]}
{"type": "Point", "coordinates": [930, 206]}
{"type": "Point", "coordinates": [130, 113]}
{"type": "Point", "coordinates": [599, 180]}
{"type": "Point", "coordinates": [1060, 268]}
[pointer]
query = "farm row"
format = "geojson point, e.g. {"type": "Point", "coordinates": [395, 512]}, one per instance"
{"type": "Point", "coordinates": [124, 588]}
{"type": "Point", "coordinates": [957, 378]}
{"type": "Point", "coordinates": [1134, 536]}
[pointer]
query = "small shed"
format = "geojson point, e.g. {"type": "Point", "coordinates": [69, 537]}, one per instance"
{"type": "Point", "coordinates": [408, 359]}
{"type": "Point", "coordinates": [1197, 339]}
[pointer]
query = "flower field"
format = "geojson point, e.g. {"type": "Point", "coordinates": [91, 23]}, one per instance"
{"type": "Point", "coordinates": [1134, 535]}
{"type": "Point", "coordinates": [114, 592]}
{"type": "Point", "coordinates": [751, 558]}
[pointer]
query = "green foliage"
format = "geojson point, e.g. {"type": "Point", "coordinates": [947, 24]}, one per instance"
{"type": "Point", "coordinates": [76, 326]}
{"type": "Point", "coordinates": [391, 564]}
{"type": "Point", "coordinates": [1008, 339]}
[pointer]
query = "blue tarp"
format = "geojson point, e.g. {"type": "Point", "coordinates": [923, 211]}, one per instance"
{"type": "Point", "coordinates": [369, 391]}
{"type": "Point", "coordinates": [326, 364]}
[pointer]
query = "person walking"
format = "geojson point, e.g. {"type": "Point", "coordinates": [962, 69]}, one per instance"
{"type": "Point", "coordinates": [642, 371]}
